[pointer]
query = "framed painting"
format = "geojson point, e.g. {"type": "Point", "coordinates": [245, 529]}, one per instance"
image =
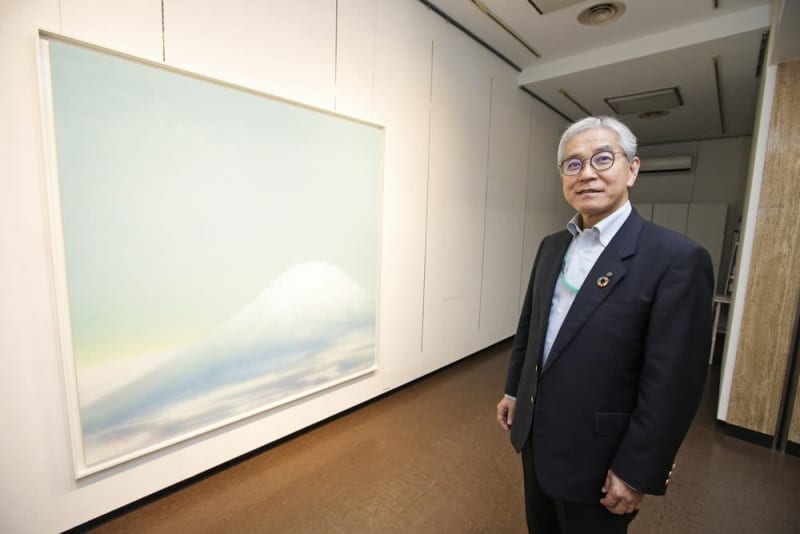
{"type": "Point", "coordinates": [216, 249]}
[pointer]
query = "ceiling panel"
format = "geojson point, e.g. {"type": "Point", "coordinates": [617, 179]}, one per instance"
{"type": "Point", "coordinates": [682, 37]}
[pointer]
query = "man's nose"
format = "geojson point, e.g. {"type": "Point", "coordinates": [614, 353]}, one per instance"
{"type": "Point", "coordinates": [587, 172]}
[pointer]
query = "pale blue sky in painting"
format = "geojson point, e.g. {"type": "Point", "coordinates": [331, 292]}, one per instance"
{"type": "Point", "coordinates": [197, 196]}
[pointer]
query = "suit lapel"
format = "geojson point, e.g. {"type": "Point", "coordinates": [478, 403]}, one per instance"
{"type": "Point", "coordinates": [607, 272]}
{"type": "Point", "coordinates": [544, 286]}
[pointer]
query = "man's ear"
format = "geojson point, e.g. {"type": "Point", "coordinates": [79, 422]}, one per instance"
{"type": "Point", "coordinates": [633, 171]}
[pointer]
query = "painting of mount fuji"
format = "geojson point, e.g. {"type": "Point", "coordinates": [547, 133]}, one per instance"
{"type": "Point", "coordinates": [220, 251]}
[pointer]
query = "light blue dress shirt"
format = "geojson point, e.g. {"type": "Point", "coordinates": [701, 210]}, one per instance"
{"type": "Point", "coordinates": [582, 253]}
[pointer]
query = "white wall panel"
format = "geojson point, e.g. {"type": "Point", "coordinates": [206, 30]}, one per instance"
{"type": "Point", "coordinates": [546, 211]}
{"type": "Point", "coordinates": [456, 195]}
{"type": "Point", "coordinates": [721, 175]}
{"type": "Point", "coordinates": [706, 225]}
{"type": "Point", "coordinates": [355, 56]}
{"type": "Point", "coordinates": [132, 27]}
{"type": "Point", "coordinates": [673, 216]}
{"type": "Point", "coordinates": [720, 170]}
{"type": "Point", "coordinates": [663, 187]}
{"type": "Point", "coordinates": [505, 208]}
{"type": "Point", "coordinates": [34, 454]}
{"type": "Point", "coordinates": [402, 103]}
{"type": "Point", "coordinates": [669, 186]}
{"type": "Point", "coordinates": [282, 48]}
{"type": "Point", "coordinates": [645, 210]}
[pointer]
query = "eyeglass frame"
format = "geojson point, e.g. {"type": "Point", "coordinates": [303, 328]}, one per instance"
{"type": "Point", "coordinates": [589, 159]}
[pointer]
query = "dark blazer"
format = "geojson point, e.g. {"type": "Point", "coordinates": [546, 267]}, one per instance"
{"type": "Point", "coordinates": [627, 369]}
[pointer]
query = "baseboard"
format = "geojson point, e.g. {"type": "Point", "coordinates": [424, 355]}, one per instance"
{"type": "Point", "coordinates": [745, 434]}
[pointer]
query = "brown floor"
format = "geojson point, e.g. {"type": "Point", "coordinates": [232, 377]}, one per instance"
{"type": "Point", "coordinates": [430, 458]}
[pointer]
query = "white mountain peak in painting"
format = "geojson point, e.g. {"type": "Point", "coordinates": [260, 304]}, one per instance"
{"type": "Point", "coordinates": [307, 295]}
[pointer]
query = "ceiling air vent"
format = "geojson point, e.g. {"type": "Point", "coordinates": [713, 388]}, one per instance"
{"type": "Point", "coordinates": [665, 164]}
{"type": "Point", "coordinates": [650, 115]}
{"type": "Point", "coordinates": [601, 13]}
{"type": "Point", "coordinates": [657, 100]}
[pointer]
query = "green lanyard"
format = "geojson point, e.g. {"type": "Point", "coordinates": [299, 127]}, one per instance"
{"type": "Point", "coordinates": [564, 272]}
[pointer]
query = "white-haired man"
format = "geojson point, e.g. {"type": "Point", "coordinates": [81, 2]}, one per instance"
{"type": "Point", "coordinates": [609, 360]}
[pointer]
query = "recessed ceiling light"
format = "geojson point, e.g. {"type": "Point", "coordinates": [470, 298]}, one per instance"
{"type": "Point", "coordinates": [601, 13]}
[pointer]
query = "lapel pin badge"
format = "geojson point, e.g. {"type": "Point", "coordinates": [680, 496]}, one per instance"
{"type": "Point", "coordinates": [604, 280]}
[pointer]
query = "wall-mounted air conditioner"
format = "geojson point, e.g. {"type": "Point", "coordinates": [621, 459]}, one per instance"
{"type": "Point", "coordinates": [665, 164]}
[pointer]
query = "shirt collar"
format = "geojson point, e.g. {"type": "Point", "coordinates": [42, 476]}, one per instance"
{"type": "Point", "coordinates": [605, 229]}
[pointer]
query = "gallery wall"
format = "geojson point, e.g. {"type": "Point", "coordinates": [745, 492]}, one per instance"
{"type": "Point", "coordinates": [468, 191]}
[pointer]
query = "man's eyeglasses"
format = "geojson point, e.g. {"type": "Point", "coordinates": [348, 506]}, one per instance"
{"type": "Point", "coordinates": [600, 161]}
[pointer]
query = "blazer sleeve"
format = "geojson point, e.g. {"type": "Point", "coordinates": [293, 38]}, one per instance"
{"type": "Point", "coordinates": [673, 373]}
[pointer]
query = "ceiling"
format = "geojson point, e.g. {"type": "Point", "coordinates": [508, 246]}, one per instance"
{"type": "Point", "coordinates": [709, 53]}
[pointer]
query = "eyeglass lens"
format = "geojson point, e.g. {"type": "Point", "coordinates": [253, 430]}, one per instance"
{"type": "Point", "coordinates": [600, 161]}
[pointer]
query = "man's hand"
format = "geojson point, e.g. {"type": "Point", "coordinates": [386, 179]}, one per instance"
{"type": "Point", "coordinates": [620, 498]}
{"type": "Point", "coordinates": [505, 412]}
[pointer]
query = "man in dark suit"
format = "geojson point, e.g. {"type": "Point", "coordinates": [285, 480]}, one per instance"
{"type": "Point", "coordinates": [609, 360]}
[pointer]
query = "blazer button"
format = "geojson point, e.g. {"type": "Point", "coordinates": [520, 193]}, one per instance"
{"type": "Point", "coordinates": [532, 401]}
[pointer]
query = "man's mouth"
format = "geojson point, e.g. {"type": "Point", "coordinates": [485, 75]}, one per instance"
{"type": "Point", "coordinates": [585, 191]}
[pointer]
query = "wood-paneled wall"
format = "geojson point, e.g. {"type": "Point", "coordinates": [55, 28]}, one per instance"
{"type": "Point", "coordinates": [774, 280]}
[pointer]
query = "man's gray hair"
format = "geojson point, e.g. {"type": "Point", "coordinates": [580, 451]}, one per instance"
{"type": "Point", "coordinates": [627, 141]}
